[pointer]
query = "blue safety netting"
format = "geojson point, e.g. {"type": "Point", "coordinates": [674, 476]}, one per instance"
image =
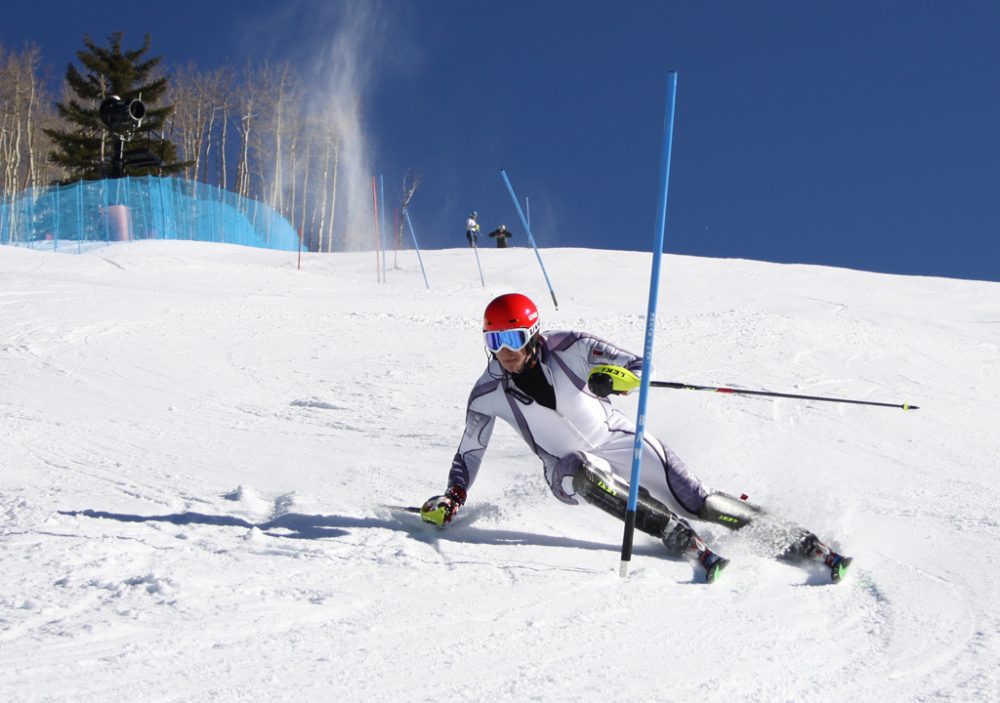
{"type": "Point", "coordinates": [126, 209]}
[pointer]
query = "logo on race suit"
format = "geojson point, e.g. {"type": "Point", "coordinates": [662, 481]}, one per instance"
{"type": "Point", "coordinates": [519, 395]}
{"type": "Point", "coordinates": [474, 423]}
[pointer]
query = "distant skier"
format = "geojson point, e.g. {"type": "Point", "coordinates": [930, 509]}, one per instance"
{"type": "Point", "coordinates": [472, 228]}
{"type": "Point", "coordinates": [501, 234]}
{"type": "Point", "coordinates": [553, 389]}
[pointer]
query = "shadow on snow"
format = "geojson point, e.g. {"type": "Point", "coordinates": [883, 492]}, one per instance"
{"type": "Point", "coordinates": [299, 526]}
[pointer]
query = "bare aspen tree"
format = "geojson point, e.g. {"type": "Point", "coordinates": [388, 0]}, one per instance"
{"type": "Point", "coordinates": [226, 91]}
{"type": "Point", "coordinates": [307, 167]}
{"type": "Point", "coordinates": [222, 146]}
{"type": "Point", "coordinates": [321, 226]}
{"type": "Point", "coordinates": [292, 166]}
{"type": "Point", "coordinates": [11, 98]}
{"type": "Point", "coordinates": [411, 181]}
{"type": "Point", "coordinates": [285, 127]}
{"type": "Point", "coordinates": [31, 61]}
{"type": "Point", "coordinates": [243, 165]}
{"type": "Point", "coordinates": [179, 93]}
{"type": "Point", "coordinates": [209, 133]}
{"type": "Point", "coordinates": [277, 80]}
{"type": "Point", "coordinates": [24, 110]}
{"type": "Point", "coordinates": [215, 93]}
{"type": "Point", "coordinates": [247, 105]}
{"type": "Point", "coordinates": [189, 93]}
{"type": "Point", "coordinates": [199, 122]}
{"type": "Point", "coordinates": [202, 101]}
{"type": "Point", "coordinates": [333, 193]}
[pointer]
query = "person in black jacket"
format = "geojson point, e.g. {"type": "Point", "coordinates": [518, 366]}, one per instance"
{"type": "Point", "coordinates": [501, 233]}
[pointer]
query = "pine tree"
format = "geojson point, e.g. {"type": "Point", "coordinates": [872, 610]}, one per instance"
{"type": "Point", "coordinates": [84, 148]}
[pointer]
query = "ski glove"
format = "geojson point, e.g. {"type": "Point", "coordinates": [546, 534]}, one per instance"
{"type": "Point", "coordinates": [607, 379]}
{"type": "Point", "coordinates": [442, 509]}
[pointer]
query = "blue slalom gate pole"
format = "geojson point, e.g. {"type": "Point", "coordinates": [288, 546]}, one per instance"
{"type": "Point", "coordinates": [647, 354]}
{"type": "Point", "coordinates": [406, 216]}
{"type": "Point", "coordinates": [475, 249]}
{"type": "Point", "coordinates": [531, 239]}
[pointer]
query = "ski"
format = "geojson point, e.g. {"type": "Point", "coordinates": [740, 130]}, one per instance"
{"type": "Point", "coordinates": [404, 508]}
{"type": "Point", "coordinates": [715, 564]}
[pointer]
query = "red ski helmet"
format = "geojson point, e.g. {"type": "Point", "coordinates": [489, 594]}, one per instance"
{"type": "Point", "coordinates": [511, 321]}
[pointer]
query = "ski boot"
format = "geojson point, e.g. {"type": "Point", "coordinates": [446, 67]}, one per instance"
{"type": "Point", "coordinates": [810, 549]}
{"type": "Point", "coordinates": [600, 487]}
{"type": "Point", "coordinates": [681, 540]}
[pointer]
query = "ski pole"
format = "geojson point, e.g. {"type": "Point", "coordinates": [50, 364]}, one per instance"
{"type": "Point", "coordinates": [771, 394]}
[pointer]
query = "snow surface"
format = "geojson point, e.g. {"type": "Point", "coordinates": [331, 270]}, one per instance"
{"type": "Point", "coordinates": [197, 443]}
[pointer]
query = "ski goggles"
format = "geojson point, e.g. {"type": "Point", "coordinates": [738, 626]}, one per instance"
{"type": "Point", "coordinates": [515, 340]}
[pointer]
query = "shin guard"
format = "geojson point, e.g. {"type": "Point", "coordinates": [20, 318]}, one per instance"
{"type": "Point", "coordinates": [729, 511]}
{"type": "Point", "coordinates": [602, 488]}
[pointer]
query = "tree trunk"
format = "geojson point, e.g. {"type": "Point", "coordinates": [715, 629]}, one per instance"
{"type": "Point", "coordinates": [208, 145]}
{"type": "Point", "coordinates": [322, 208]}
{"type": "Point", "coordinates": [305, 197]}
{"type": "Point", "coordinates": [222, 148]}
{"type": "Point", "coordinates": [31, 177]}
{"type": "Point", "coordinates": [243, 166]}
{"type": "Point", "coordinates": [333, 198]}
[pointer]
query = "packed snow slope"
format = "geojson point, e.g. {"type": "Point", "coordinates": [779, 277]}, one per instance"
{"type": "Point", "coordinates": [198, 445]}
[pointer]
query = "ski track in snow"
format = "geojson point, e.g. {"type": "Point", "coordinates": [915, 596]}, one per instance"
{"type": "Point", "coordinates": [199, 442]}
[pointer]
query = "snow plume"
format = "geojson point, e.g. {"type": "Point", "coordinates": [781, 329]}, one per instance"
{"type": "Point", "coordinates": [349, 40]}
{"type": "Point", "coordinates": [339, 75]}
{"type": "Point", "coordinates": [339, 52]}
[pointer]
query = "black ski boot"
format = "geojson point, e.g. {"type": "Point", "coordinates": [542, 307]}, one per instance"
{"type": "Point", "coordinates": [682, 541]}
{"type": "Point", "coordinates": [810, 549]}
{"type": "Point", "coordinates": [609, 492]}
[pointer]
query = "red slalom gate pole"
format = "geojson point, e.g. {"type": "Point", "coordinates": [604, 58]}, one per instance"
{"type": "Point", "coordinates": [378, 265]}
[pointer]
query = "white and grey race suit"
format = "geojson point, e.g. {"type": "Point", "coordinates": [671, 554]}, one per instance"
{"type": "Point", "coordinates": [579, 422]}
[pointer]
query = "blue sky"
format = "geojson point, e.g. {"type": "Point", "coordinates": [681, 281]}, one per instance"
{"type": "Point", "coordinates": [855, 134]}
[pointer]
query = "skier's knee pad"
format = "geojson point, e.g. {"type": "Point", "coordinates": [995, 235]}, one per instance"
{"type": "Point", "coordinates": [597, 484]}
{"type": "Point", "coordinates": [731, 512]}
{"type": "Point", "coordinates": [561, 476]}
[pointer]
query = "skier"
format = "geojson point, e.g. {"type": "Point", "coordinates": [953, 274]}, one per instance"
{"type": "Point", "coordinates": [553, 389]}
{"type": "Point", "coordinates": [472, 228]}
{"type": "Point", "coordinates": [501, 234]}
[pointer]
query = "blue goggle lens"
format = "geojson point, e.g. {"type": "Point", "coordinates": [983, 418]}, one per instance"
{"type": "Point", "coordinates": [515, 340]}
